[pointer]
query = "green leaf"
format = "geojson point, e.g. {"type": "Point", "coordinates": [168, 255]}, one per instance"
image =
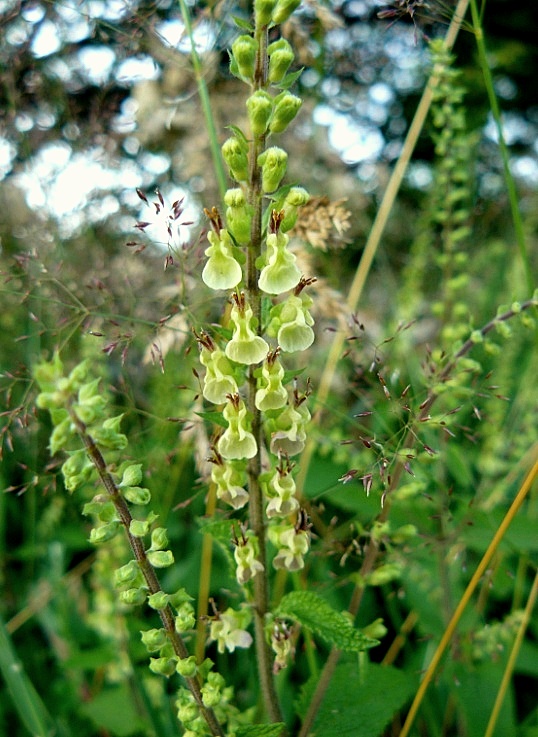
{"type": "Point", "coordinates": [30, 708]}
{"type": "Point", "coordinates": [215, 417]}
{"type": "Point", "coordinates": [261, 730]}
{"type": "Point", "coordinates": [313, 612]}
{"type": "Point", "coordinates": [242, 23]}
{"type": "Point", "coordinates": [361, 700]}
{"type": "Point", "coordinates": [289, 80]}
{"type": "Point", "coordinates": [113, 710]}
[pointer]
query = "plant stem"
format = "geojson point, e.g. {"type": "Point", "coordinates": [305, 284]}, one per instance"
{"type": "Point", "coordinates": [150, 577]}
{"type": "Point", "coordinates": [508, 178]}
{"type": "Point", "coordinates": [256, 513]}
{"type": "Point", "coordinates": [205, 102]}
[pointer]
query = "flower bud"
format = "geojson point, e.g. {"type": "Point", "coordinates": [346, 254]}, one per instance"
{"type": "Point", "coordinates": [163, 666]}
{"type": "Point", "coordinates": [134, 597]}
{"type": "Point", "coordinates": [260, 109]}
{"type": "Point", "coordinates": [132, 475]}
{"type": "Point", "coordinates": [280, 57]}
{"type": "Point", "coordinates": [221, 271]}
{"type": "Point", "coordinates": [238, 215]}
{"type": "Point", "coordinates": [154, 639]}
{"type": "Point", "coordinates": [235, 155]}
{"type": "Point", "coordinates": [273, 162]}
{"type": "Point", "coordinates": [108, 434]}
{"type": "Point", "coordinates": [212, 690]}
{"type": "Point", "coordinates": [187, 667]}
{"type": "Point", "coordinates": [104, 533]}
{"type": "Point", "coordinates": [161, 558]}
{"type": "Point", "coordinates": [159, 538]}
{"type": "Point", "coordinates": [283, 10]}
{"type": "Point", "coordinates": [280, 273]}
{"type": "Point", "coordinates": [139, 527]}
{"type": "Point", "coordinates": [263, 11]}
{"type": "Point", "coordinates": [295, 198]}
{"type": "Point", "coordinates": [137, 495]}
{"type": "Point", "coordinates": [185, 619]}
{"type": "Point", "coordinates": [158, 600]}
{"type": "Point", "coordinates": [61, 435]}
{"type": "Point", "coordinates": [128, 574]}
{"type": "Point", "coordinates": [76, 470]}
{"type": "Point", "coordinates": [243, 61]}
{"type": "Point", "coordinates": [286, 108]}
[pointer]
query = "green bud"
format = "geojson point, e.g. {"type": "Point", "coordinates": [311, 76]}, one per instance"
{"type": "Point", "coordinates": [376, 630]}
{"type": "Point", "coordinates": [235, 155]}
{"type": "Point", "coordinates": [179, 597]}
{"type": "Point", "coordinates": [104, 533]}
{"type": "Point", "coordinates": [134, 597]}
{"type": "Point", "coordinates": [61, 435]}
{"type": "Point", "coordinates": [128, 575]}
{"type": "Point", "coordinates": [260, 109]}
{"type": "Point", "coordinates": [154, 639]}
{"type": "Point", "coordinates": [296, 197]}
{"type": "Point", "coordinates": [161, 558]}
{"type": "Point", "coordinates": [163, 666]}
{"type": "Point", "coordinates": [186, 667]}
{"type": "Point", "coordinates": [263, 11]}
{"type": "Point", "coordinates": [108, 434]}
{"type": "Point", "coordinates": [238, 215]}
{"type": "Point", "coordinates": [283, 10]}
{"type": "Point", "coordinates": [159, 538]}
{"type": "Point", "coordinates": [244, 51]}
{"type": "Point", "coordinates": [286, 108]}
{"type": "Point", "coordinates": [76, 470]}
{"type": "Point", "coordinates": [102, 507]}
{"type": "Point", "coordinates": [47, 373]}
{"type": "Point", "coordinates": [139, 527]}
{"type": "Point", "coordinates": [91, 410]}
{"type": "Point", "coordinates": [159, 600]}
{"type": "Point", "coordinates": [137, 495]}
{"type": "Point", "coordinates": [185, 619]}
{"type": "Point", "coordinates": [384, 574]}
{"type": "Point", "coordinates": [273, 162]}
{"type": "Point", "coordinates": [280, 57]}
{"type": "Point", "coordinates": [132, 476]}
{"type": "Point", "coordinates": [88, 391]}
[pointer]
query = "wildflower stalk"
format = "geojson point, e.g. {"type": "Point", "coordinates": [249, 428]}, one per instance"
{"type": "Point", "coordinates": [152, 582]}
{"type": "Point", "coordinates": [254, 468]}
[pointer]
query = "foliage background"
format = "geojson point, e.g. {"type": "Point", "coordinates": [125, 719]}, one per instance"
{"type": "Point", "coordinates": [69, 281]}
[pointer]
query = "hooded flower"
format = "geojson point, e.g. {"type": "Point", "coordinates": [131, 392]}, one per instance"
{"type": "Point", "coordinates": [229, 630]}
{"type": "Point", "coordinates": [288, 430]}
{"type": "Point", "coordinates": [291, 323]}
{"type": "Point", "coordinates": [271, 393]}
{"type": "Point", "coordinates": [246, 557]}
{"type": "Point", "coordinates": [237, 442]}
{"type": "Point", "coordinates": [221, 271]}
{"type": "Point", "coordinates": [229, 478]}
{"type": "Point", "coordinates": [245, 346]}
{"type": "Point", "coordinates": [280, 274]}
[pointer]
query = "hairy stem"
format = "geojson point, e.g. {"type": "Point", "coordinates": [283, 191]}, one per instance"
{"type": "Point", "coordinates": [256, 514]}
{"type": "Point", "coordinates": [150, 577]}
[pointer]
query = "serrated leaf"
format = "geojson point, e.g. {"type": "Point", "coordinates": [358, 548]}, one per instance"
{"type": "Point", "coordinates": [215, 417]}
{"type": "Point", "coordinates": [313, 612]}
{"type": "Point", "coordinates": [360, 702]}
